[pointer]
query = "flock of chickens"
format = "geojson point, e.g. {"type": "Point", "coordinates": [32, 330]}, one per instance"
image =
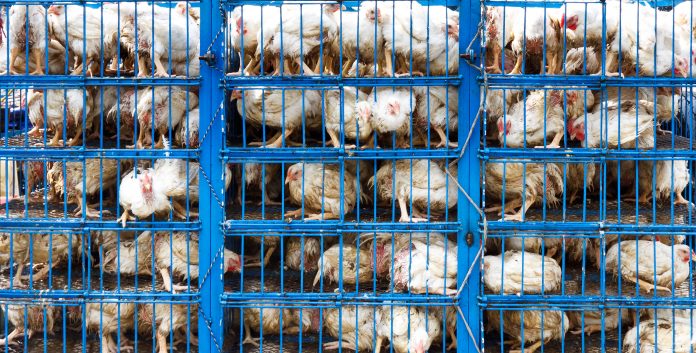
{"type": "Point", "coordinates": [640, 41]}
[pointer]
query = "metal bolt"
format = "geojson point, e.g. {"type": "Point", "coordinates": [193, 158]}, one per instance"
{"type": "Point", "coordinates": [469, 239]}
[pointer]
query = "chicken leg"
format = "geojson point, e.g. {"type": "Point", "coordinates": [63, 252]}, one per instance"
{"type": "Point", "coordinates": [388, 67]}
{"type": "Point", "coordinates": [306, 69]}
{"type": "Point", "coordinates": [589, 329]}
{"type": "Point", "coordinates": [404, 213]}
{"type": "Point", "coordinates": [180, 210]}
{"type": "Point", "coordinates": [321, 216]}
{"type": "Point", "coordinates": [37, 54]}
{"type": "Point", "coordinates": [125, 216]}
{"type": "Point", "coordinates": [10, 338]}
{"type": "Point", "coordinates": [555, 143]}
{"type": "Point", "coordinates": [279, 140]}
{"type": "Point", "coordinates": [453, 336]}
{"type": "Point", "coordinates": [444, 141]}
{"type": "Point", "coordinates": [247, 336]}
{"type": "Point", "coordinates": [162, 342]}
{"type": "Point", "coordinates": [378, 344]}
{"type": "Point", "coordinates": [520, 214]}
{"type": "Point", "coordinates": [142, 66]}
{"type": "Point", "coordinates": [495, 67]}
{"type": "Point", "coordinates": [35, 132]}
{"type": "Point", "coordinates": [266, 258]}
{"type": "Point", "coordinates": [335, 141]}
{"type": "Point", "coordinates": [14, 53]}
{"type": "Point", "coordinates": [168, 285]}
{"type": "Point", "coordinates": [161, 71]}
{"type": "Point", "coordinates": [88, 212]}
{"type": "Point", "coordinates": [17, 280]}
{"type": "Point", "coordinates": [77, 138]}
{"type": "Point", "coordinates": [647, 286]}
{"type": "Point", "coordinates": [518, 65]}
{"type": "Point", "coordinates": [680, 200]}
{"type": "Point", "coordinates": [530, 349]}
{"type": "Point", "coordinates": [346, 67]}
{"type": "Point", "coordinates": [55, 141]}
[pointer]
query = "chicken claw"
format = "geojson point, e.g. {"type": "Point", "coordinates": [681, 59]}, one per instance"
{"type": "Point", "coordinates": [530, 349]}
{"type": "Point", "coordinates": [124, 217]}
{"type": "Point", "coordinates": [294, 214]}
{"type": "Point", "coordinates": [10, 339]}
{"type": "Point", "coordinates": [247, 336]}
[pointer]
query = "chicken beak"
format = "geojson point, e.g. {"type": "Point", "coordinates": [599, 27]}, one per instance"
{"type": "Point", "coordinates": [287, 180]}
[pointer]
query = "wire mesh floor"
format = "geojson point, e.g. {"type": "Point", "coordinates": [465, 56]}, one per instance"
{"type": "Point", "coordinates": [572, 344]}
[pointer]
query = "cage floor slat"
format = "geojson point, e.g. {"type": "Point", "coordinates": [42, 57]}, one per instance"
{"type": "Point", "coordinates": [571, 344]}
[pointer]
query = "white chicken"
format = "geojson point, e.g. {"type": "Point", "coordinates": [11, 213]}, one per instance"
{"type": "Point", "coordinates": [671, 176]}
{"type": "Point", "coordinates": [176, 322]}
{"type": "Point", "coordinates": [357, 113]}
{"type": "Point", "coordinates": [305, 31]}
{"type": "Point", "coordinates": [427, 265]}
{"type": "Point", "coordinates": [423, 184]}
{"type": "Point", "coordinates": [541, 116]}
{"type": "Point", "coordinates": [139, 195]}
{"type": "Point", "coordinates": [498, 32]}
{"type": "Point", "coordinates": [408, 328]}
{"type": "Point", "coordinates": [32, 318]}
{"type": "Point", "coordinates": [357, 265]}
{"type": "Point", "coordinates": [528, 326]}
{"type": "Point", "coordinates": [187, 134]}
{"type": "Point", "coordinates": [273, 321]}
{"type": "Point", "coordinates": [361, 35]}
{"type": "Point", "coordinates": [88, 33]}
{"type": "Point", "coordinates": [516, 272]}
{"type": "Point", "coordinates": [660, 335]}
{"type": "Point", "coordinates": [660, 265]}
{"type": "Point", "coordinates": [316, 188]}
{"type": "Point", "coordinates": [244, 31]}
{"type": "Point", "coordinates": [622, 124]}
{"type": "Point", "coordinates": [99, 180]}
{"type": "Point", "coordinates": [108, 319]}
{"type": "Point", "coordinates": [522, 185]}
{"type": "Point", "coordinates": [120, 114]}
{"type": "Point", "coordinates": [583, 22]}
{"type": "Point", "coordinates": [62, 107]}
{"type": "Point", "coordinates": [179, 252]}
{"type": "Point", "coordinates": [130, 257]}
{"type": "Point", "coordinates": [353, 325]}
{"type": "Point", "coordinates": [172, 45]}
{"type": "Point", "coordinates": [44, 251]}
{"type": "Point", "coordinates": [28, 30]}
{"type": "Point", "coordinates": [438, 107]}
{"type": "Point", "coordinates": [591, 321]}
{"type": "Point", "coordinates": [302, 253]}
{"type": "Point", "coordinates": [536, 26]}
{"type": "Point", "coordinates": [170, 105]}
{"type": "Point", "coordinates": [287, 110]}
{"type": "Point", "coordinates": [391, 112]}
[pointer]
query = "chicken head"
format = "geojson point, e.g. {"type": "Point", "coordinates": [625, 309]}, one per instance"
{"type": "Point", "coordinates": [681, 66]}
{"type": "Point", "coordinates": [684, 253]}
{"type": "Point", "coordinates": [236, 94]}
{"type": "Point", "coordinates": [571, 22]}
{"type": "Point", "coordinates": [373, 14]}
{"type": "Point", "coordinates": [145, 183]}
{"type": "Point", "coordinates": [294, 173]}
{"type": "Point", "coordinates": [232, 261]}
{"type": "Point", "coordinates": [503, 130]}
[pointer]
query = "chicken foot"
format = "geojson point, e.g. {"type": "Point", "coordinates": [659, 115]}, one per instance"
{"type": "Point", "coordinates": [168, 285]}
{"type": "Point", "coordinates": [10, 338]}
{"type": "Point", "coordinates": [520, 214]}
{"type": "Point", "coordinates": [294, 214]}
{"type": "Point", "coordinates": [77, 138]}
{"type": "Point", "coordinates": [43, 273]}
{"type": "Point", "coordinates": [530, 349]}
{"type": "Point", "coordinates": [335, 141]}
{"type": "Point", "coordinates": [161, 71]}
{"type": "Point", "coordinates": [88, 212]}
{"type": "Point", "coordinates": [35, 132]}
{"type": "Point", "coordinates": [266, 258]}
{"type": "Point", "coordinates": [453, 336]}
{"type": "Point", "coordinates": [17, 280]}
{"type": "Point", "coordinates": [346, 67]}
{"type": "Point", "coordinates": [180, 210]}
{"type": "Point", "coordinates": [125, 216]}
{"type": "Point", "coordinates": [305, 68]}
{"type": "Point", "coordinates": [518, 65]}
{"type": "Point", "coordinates": [162, 342]}
{"type": "Point", "coordinates": [337, 344]}
{"type": "Point", "coordinates": [321, 216]}
{"type": "Point", "coordinates": [495, 67]}
{"type": "Point", "coordinates": [55, 141]}
{"type": "Point", "coordinates": [279, 140]}
{"type": "Point", "coordinates": [680, 200]}
{"type": "Point", "coordinates": [404, 213]}
{"type": "Point", "coordinates": [589, 329]}
{"type": "Point", "coordinates": [247, 336]}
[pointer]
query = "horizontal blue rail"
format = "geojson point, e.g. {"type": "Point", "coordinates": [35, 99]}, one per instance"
{"type": "Point", "coordinates": [231, 82]}
{"type": "Point", "coordinates": [329, 155]}
{"type": "Point", "coordinates": [333, 226]}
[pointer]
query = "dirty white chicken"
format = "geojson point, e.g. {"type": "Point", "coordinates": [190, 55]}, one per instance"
{"type": "Point", "coordinates": [422, 184]}
{"type": "Point", "coordinates": [39, 318]}
{"type": "Point", "coordinates": [539, 120]}
{"type": "Point", "coordinates": [175, 38]}
{"type": "Point", "coordinates": [299, 260]}
{"type": "Point", "coordinates": [187, 134]}
{"type": "Point", "coordinates": [498, 32]}
{"type": "Point", "coordinates": [590, 321]}
{"type": "Point", "coordinates": [315, 187]}
{"type": "Point", "coordinates": [130, 257]}
{"type": "Point", "coordinates": [583, 61]}
{"type": "Point", "coordinates": [660, 335]}
{"type": "Point", "coordinates": [45, 252]}
{"type": "Point", "coordinates": [305, 31]}
{"type": "Point", "coordinates": [175, 322]}
{"type": "Point", "coordinates": [523, 184]}
{"type": "Point", "coordinates": [419, 38]}
{"type": "Point", "coordinates": [621, 124]}
{"type": "Point", "coordinates": [583, 22]}
{"type": "Point", "coordinates": [579, 178]}
{"type": "Point", "coordinates": [391, 112]}
{"type": "Point", "coordinates": [660, 265]}
{"type": "Point", "coordinates": [438, 108]}
{"type": "Point", "coordinates": [107, 319]}
{"type": "Point", "coordinates": [408, 329]}
{"type": "Point", "coordinates": [61, 107]}
{"type": "Point", "coordinates": [540, 25]}
{"type": "Point", "coordinates": [645, 42]}
{"type": "Point", "coordinates": [670, 176]}
{"type": "Point", "coordinates": [90, 34]}
{"type": "Point", "coordinates": [427, 265]}
{"type": "Point", "coordinates": [539, 327]}
{"type": "Point", "coordinates": [28, 30]}
{"type": "Point", "coordinates": [271, 321]}
{"type": "Point", "coordinates": [98, 182]}
{"type": "Point", "coordinates": [286, 110]}
{"type": "Point", "coordinates": [265, 178]}
{"type": "Point", "coordinates": [245, 26]}
{"type": "Point", "coordinates": [357, 116]}
{"type": "Point", "coordinates": [498, 103]}
{"type": "Point", "coordinates": [120, 114]}
{"type": "Point", "coordinates": [361, 35]}
{"type": "Point", "coordinates": [270, 244]}
{"type": "Point", "coordinates": [354, 328]}
{"type": "Point", "coordinates": [357, 266]}
{"type": "Point", "coordinates": [138, 195]}
{"type": "Point", "coordinates": [170, 106]}
{"type": "Point", "coordinates": [516, 272]}
{"type": "Point", "coordinates": [178, 253]}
